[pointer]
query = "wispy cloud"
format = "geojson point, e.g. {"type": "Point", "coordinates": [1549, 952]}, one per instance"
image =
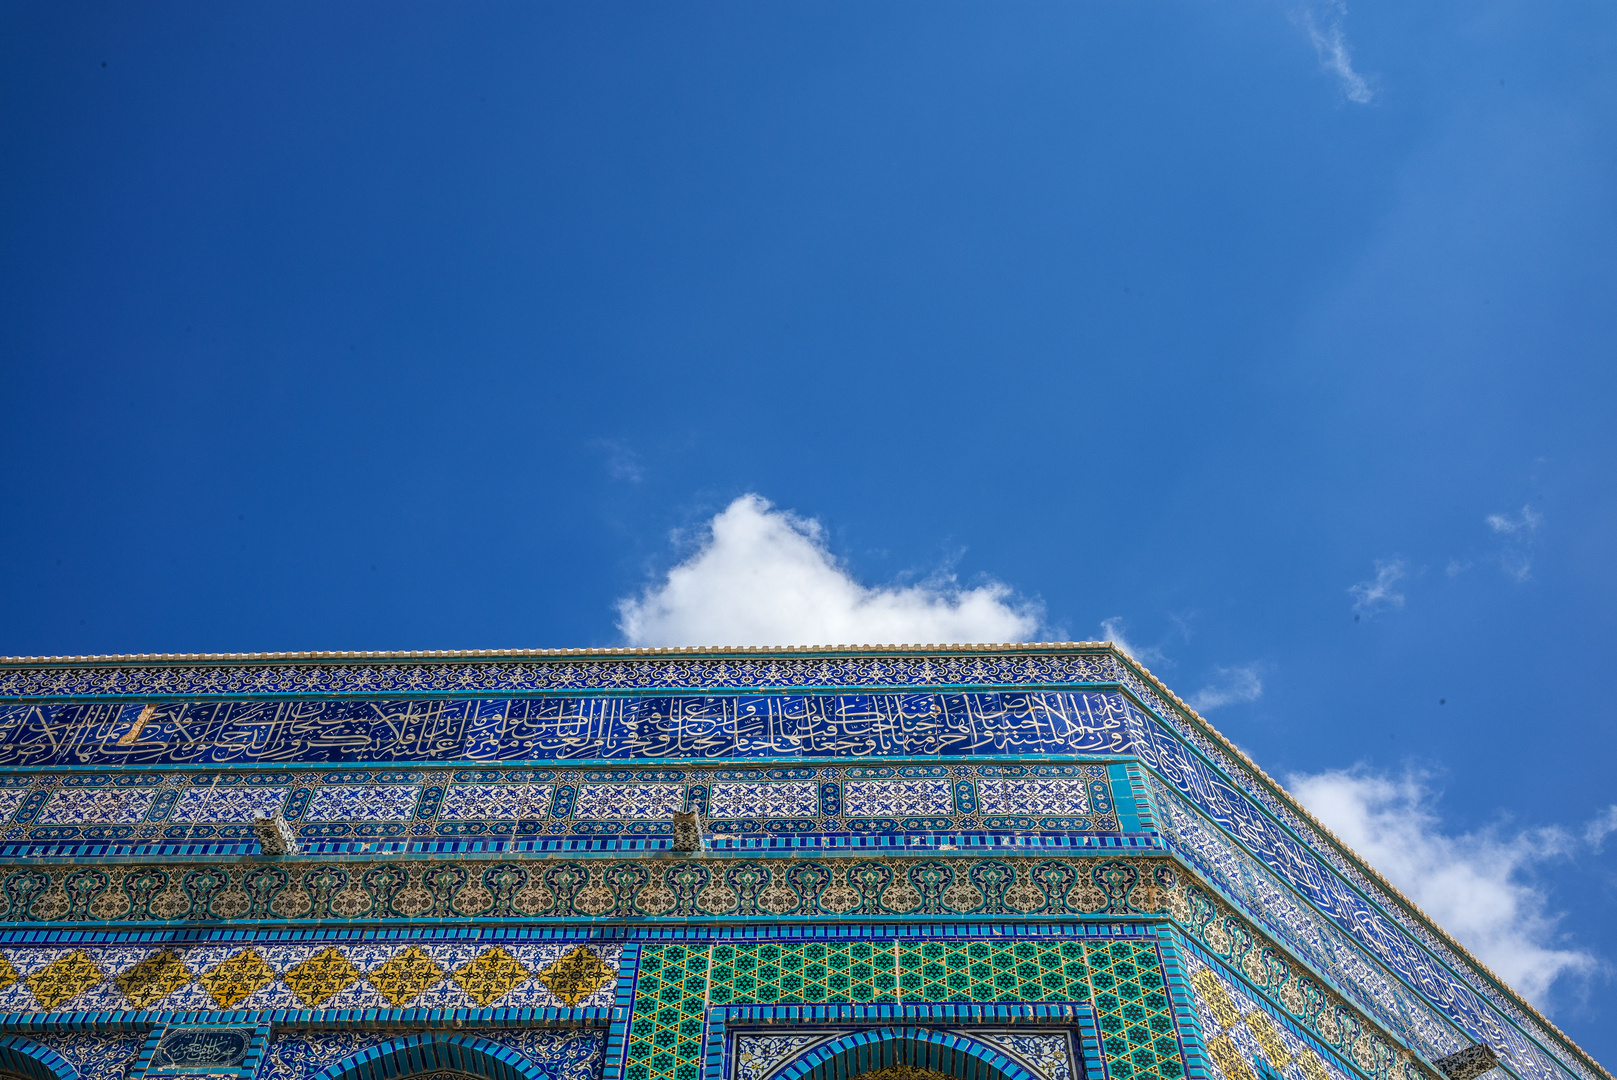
{"type": "Point", "coordinates": [1476, 885]}
{"type": "Point", "coordinates": [1149, 655]}
{"type": "Point", "coordinates": [1380, 592]}
{"type": "Point", "coordinates": [1233, 686]}
{"type": "Point", "coordinates": [1516, 558]}
{"type": "Point", "coordinates": [766, 577]}
{"type": "Point", "coordinates": [1323, 20]}
{"type": "Point", "coordinates": [1595, 833]}
{"type": "Point", "coordinates": [622, 463]}
{"type": "Point", "coordinates": [1528, 522]}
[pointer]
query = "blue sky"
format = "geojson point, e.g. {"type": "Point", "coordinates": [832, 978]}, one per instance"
{"type": "Point", "coordinates": [1278, 338]}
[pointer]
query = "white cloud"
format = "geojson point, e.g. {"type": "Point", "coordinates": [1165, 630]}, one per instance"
{"type": "Point", "coordinates": [1112, 630]}
{"type": "Point", "coordinates": [1456, 568]}
{"type": "Point", "coordinates": [1516, 559]}
{"type": "Point", "coordinates": [1378, 592]}
{"type": "Point", "coordinates": [1323, 21]}
{"type": "Point", "coordinates": [1474, 885]}
{"type": "Point", "coordinates": [1528, 523]}
{"type": "Point", "coordinates": [1595, 833]}
{"type": "Point", "coordinates": [766, 577]}
{"type": "Point", "coordinates": [1234, 686]}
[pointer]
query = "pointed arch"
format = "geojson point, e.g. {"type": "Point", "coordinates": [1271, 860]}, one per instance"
{"type": "Point", "coordinates": [21, 1056]}
{"type": "Point", "coordinates": [432, 1052]}
{"type": "Point", "coordinates": [949, 1052]}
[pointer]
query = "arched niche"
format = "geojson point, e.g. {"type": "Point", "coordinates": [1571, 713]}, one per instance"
{"type": "Point", "coordinates": [431, 1056]}
{"type": "Point", "coordinates": [904, 1051]}
{"type": "Point", "coordinates": [28, 1060]}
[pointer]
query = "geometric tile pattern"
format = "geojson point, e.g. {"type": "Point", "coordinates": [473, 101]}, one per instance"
{"type": "Point", "coordinates": [164, 807]}
{"type": "Point", "coordinates": [247, 891]}
{"type": "Point", "coordinates": [870, 798]}
{"type": "Point", "coordinates": [1122, 978]}
{"type": "Point", "coordinates": [576, 975]}
{"type": "Point", "coordinates": [1240, 1033]}
{"type": "Point", "coordinates": [1033, 795]}
{"type": "Point", "coordinates": [96, 806]}
{"type": "Point", "coordinates": [1367, 930]}
{"type": "Point", "coordinates": [778, 799]}
{"type": "Point", "coordinates": [1136, 1020]}
{"type": "Point", "coordinates": [363, 803]}
{"type": "Point", "coordinates": [321, 976]}
{"type": "Point", "coordinates": [402, 978]}
{"type": "Point", "coordinates": [496, 801]}
{"type": "Point", "coordinates": [436, 974]}
{"type": "Point", "coordinates": [236, 978]}
{"type": "Point", "coordinates": [154, 978]}
{"type": "Point", "coordinates": [665, 1034]}
{"type": "Point", "coordinates": [598, 801]}
{"type": "Point", "coordinates": [297, 1055]}
{"type": "Point", "coordinates": [492, 974]}
{"type": "Point", "coordinates": [227, 805]}
{"type": "Point", "coordinates": [64, 979]}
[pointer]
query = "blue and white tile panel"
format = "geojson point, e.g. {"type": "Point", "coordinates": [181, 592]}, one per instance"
{"type": "Point", "coordinates": [1039, 795]}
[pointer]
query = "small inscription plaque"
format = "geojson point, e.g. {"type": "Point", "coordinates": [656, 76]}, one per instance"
{"type": "Point", "coordinates": [202, 1048]}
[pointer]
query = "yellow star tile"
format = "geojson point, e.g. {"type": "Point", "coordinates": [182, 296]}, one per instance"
{"type": "Point", "coordinates": [8, 974]}
{"type": "Point", "coordinates": [154, 978]}
{"type": "Point", "coordinates": [321, 976]}
{"type": "Point", "coordinates": [490, 975]}
{"type": "Point", "coordinates": [232, 980]}
{"type": "Point", "coordinates": [64, 980]}
{"type": "Point", "coordinates": [575, 976]}
{"type": "Point", "coordinates": [403, 979]}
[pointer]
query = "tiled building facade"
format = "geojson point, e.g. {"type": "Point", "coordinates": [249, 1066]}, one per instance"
{"type": "Point", "coordinates": [989, 863]}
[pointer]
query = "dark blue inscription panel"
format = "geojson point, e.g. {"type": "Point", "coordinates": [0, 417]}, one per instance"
{"type": "Point", "coordinates": [579, 729]}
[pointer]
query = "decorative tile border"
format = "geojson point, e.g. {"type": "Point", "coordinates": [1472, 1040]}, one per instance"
{"type": "Point", "coordinates": [48, 680]}
{"type": "Point", "coordinates": [266, 976]}
{"type": "Point", "coordinates": [58, 811]}
{"type": "Point", "coordinates": [563, 729]}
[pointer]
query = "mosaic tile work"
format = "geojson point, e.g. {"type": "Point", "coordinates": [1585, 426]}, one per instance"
{"type": "Point", "coordinates": [97, 806]}
{"type": "Point", "coordinates": [351, 677]}
{"type": "Point", "coordinates": [1302, 929]}
{"type": "Point", "coordinates": [563, 729]}
{"type": "Point", "coordinates": [1336, 1022]}
{"type": "Point", "coordinates": [138, 808]}
{"type": "Point", "coordinates": [386, 975]}
{"type": "Point", "coordinates": [95, 1056]}
{"type": "Point", "coordinates": [875, 798]}
{"type": "Point", "coordinates": [479, 802]}
{"type": "Point", "coordinates": [1033, 796]}
{"type": "Point", "coordinates": [756, 1056]}
{"type": "Point", "coordinates": [227, 806]}
{"type": "Point", "coordinates": [1358, 905]}
{"type": "Point", "coordinates": [362, 802]}
{"type": "Point", "coordinates": [1049, 1055]}
{"type": "Point", "coordinates": [777, 799]}
{"type": "Point", "coordinates": [214, 892]}
{"type": "Point", "coordinates": [1123, 978]}
{"type": "Point", "coordinates": [1046, 1056]}
{"type": "Point", "coordinates": [1240, 1034]}
{"type": "Point", "coordinates": [564, 1055]}
{"type": "Point", "coordinates": [632, 800]}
